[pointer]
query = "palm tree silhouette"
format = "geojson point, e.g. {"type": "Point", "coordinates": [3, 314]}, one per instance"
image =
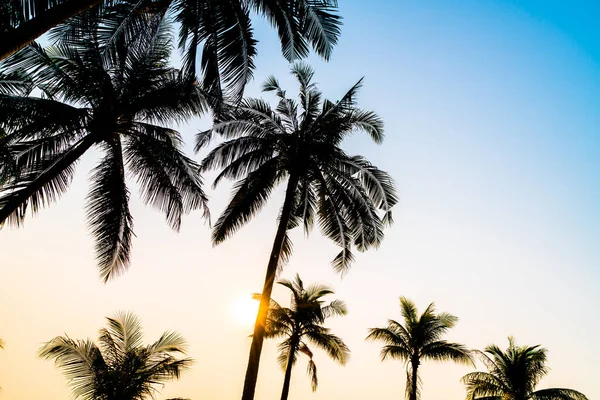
{"type": "Point", "coordinates": [116, 102]}
{"type": "Point", "coordinates": [301, 322]}
{"type": "Point", "coordinates": [417, 340]}
{"type": "Point", "coordinates": [217, 32]}
{"type": "Point", "coordinates": [301, 142]}
{"type": "Point", "coordinates": [119, 367]}
{"type": "Point", "coordinates": [513, 374]}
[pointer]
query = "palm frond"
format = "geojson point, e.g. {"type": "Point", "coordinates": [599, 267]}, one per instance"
{"type": "Point", "coordinates": [79, 360]}
{"type": "Point", "coordinates": [395, 347]}
{"type": "Point", "coordinates": [168, 179]}
{"type": "Point", "coordinates": [15, 83]}
{"type": "Point", "coordinates": [169, 342]}
{"type": "Point", "coordinates": [446, 351]}
{"type": "Point", "coordinates": [333, 224]}
{"type": "Point", "coordinates": [558, 394]}
{"type": "Point", "coordinates": [483, 384]}
{"type": "Point", "coordinates": [108, 213]}
{"type": "Point", "coordinates": [334, 309]}
{"type": "Point", "coordinates": [408, 309]}
{"type": "Point", "coordinates": [301, 23]}
{"type": "Point", "coordinates": [250, 195]}
{"type": "Point", "coordinates": [311, 370]}
{"type": "Point", "coordinates": [40, 184]}
{"type": "Point", "coordinates": [335, 348]}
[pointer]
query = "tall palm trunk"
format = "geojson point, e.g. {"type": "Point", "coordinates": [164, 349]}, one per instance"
{"type": "Point", "coordinates": [414, 380]}
{"type": "Point", "coordinates": [265, 299]}
{"type": "Point", "coordinates": [288, 372]}
{"type": "Point", "coordinates": [15, 39]}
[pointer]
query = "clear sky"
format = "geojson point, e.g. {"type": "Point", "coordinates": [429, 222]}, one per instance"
{"type": "Point", "coordinates": [492, 112]}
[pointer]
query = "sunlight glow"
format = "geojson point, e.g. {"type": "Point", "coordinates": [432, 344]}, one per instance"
{"type": "Point", "coordinates": [244, 309]}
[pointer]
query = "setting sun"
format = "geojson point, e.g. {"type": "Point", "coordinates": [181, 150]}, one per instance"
{"type": "Point", "coordinates": [244, 309]}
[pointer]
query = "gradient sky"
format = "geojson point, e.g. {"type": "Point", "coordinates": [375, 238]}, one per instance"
{"type": "Point", "coordinates": [492, 112]}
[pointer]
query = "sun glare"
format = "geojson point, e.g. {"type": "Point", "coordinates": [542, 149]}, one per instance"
{"type": "Point", "coordinates": [244, 309]}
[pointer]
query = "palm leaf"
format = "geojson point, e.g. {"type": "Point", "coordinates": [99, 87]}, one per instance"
{"type": "Point", "coordinates": [108, 213]}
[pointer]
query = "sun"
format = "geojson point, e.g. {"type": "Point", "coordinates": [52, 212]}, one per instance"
{"type": "Point", "coordinates": [244, 309]}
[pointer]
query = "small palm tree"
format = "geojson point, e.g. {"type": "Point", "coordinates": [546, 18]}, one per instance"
{"type": "Point", "coordinates": [119, 367]}
{"type": "Point", "coordinates": [301, 322]}
{"type": "Point", "coordinates": [299, 141]}
{"type": "Point", "coordinates": [513, 375]}
{"type": "Point", "coordinates": [417, 340]}
{"type": "Point", "coordinates": [119, 103]}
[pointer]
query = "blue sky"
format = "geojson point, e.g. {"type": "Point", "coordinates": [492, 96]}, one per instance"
{"type": "Point", "coordinates": [492, 118]}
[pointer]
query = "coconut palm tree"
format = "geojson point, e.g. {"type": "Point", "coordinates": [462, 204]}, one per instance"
{"type": "Point", "coordinates": [417, 340]}
{"type": "Point", "coordinates": [218, 31]}
{"type": "Point", "coordinates": [513, 374]}
{"type": "Point", "coordinates": [119, 367]}
{"type": "Point", "coordinates": [299, 142]}
{"type": "Point", "coordinates": [119, 104]}
{"type": "Point", "coordinates": [303, 322]}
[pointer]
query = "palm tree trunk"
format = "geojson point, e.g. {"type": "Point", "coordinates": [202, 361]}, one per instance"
{"type": "Point", "coordinates": [288, 373]}
{"type": "Point", "coordinates": [69, 158]}
{"type": "Point", "coordinates": [15, 39]}
{"type": "Point", "coordinates": [265, 299]}
{"type": "Point", "coordinates": [414, 380]}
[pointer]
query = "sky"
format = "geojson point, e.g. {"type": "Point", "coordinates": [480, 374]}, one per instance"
{"type": "Point", "coordinates": [492, 118]}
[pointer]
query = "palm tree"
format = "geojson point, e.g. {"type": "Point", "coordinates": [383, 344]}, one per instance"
{"type": "Point", "coordinates": [419, 339]}
{"type": "Point", "coordinates": [119, 367]}
{"type": "Point", "coordinates": [301, 142]}
{"type": "Point", "coordinates": [118, 103]}
{"type": "Point", "coordinates": [219, 31]}
{"type": "Point", "coordinates": [513, 375]}
{"type": "Point", "coordinates": [303, 321]}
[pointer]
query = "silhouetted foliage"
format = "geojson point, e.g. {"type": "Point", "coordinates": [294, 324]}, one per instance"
{"type": "Point", "coordinates": [513, 374]}
{"type": "Point", "coordinates": [218, 33]}
{"type": "Point", "coordinates": [119, 367]}
{"type": "Point", "coordinates": [302, 323]}
{"type": "Point", "coordinates": [22, 21]}
{"type": "Point", "coordinates": [119, 103]}
{"type": "Point", "coordinates": [299, 141]}
{"type": "Point", "coordinates": [417, 340]}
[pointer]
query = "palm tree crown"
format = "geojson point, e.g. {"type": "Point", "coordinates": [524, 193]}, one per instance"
{"type": "Point", "coordinates": [119, 102]}
{"type": "Point", "coordinates": [303, 322]}
{"type": "Point", "coordinates": [119, 367]}
{"type": "Point", "coordinates": [417, 340]}
{"type": "Point", "coordinates": [300, 141]}
{"type": "Point", "coordinates": [513, 375]}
